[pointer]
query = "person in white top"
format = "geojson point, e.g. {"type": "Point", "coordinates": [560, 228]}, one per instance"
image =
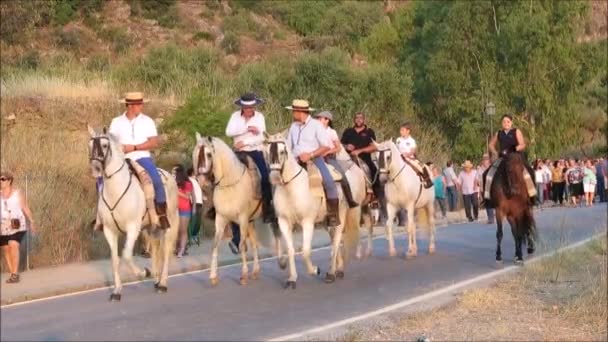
{"type": "Point", "coordinates": [197, 209]}
{"type": "Point", "coordinates": [309, 141]}
{"type": "Point", "coordinates": [326, 119]}
{"type": "Point", "coordinates": [137, 134]}
{"type": "Point", "coordinates": [13, 212]}
{"type": "Point", "coordinates": [469, 185]}
{"type": "Point", "coordinates": [407, 147]}
{"type": "Point", "coordinates": [246, 127]}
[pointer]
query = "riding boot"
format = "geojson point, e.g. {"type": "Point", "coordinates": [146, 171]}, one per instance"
{"type": "Point", "coordinates": [161, 210]}
{"type": "Point", "coordinates": [333, 217]}
{"type": "Point", "coordinates": [348, 193]}
{"type": "Point", "coordinates": [268, 211]}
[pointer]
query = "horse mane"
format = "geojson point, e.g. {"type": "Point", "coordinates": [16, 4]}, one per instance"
{"type": "Point", "coordinates": [514, 167]}
{"type": "Point", "coordinates": [225, 159]}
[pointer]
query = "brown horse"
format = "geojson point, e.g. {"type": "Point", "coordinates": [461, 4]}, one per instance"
{"type": "Point", "coordinates": [509, 196]}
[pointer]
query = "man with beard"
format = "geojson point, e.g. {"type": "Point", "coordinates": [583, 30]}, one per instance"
{"type": "Point", "coordinates": [358, 141]}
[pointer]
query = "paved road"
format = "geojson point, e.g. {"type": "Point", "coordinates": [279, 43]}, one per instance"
{"type": "Point", "coordinates": [192, 310]}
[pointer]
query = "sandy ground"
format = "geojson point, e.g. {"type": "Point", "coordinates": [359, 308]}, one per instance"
{"type": "Point", "coordinates": [562, 298]}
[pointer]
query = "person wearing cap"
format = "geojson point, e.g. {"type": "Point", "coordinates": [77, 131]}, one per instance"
{"type": "Point", "coordinates": [407, 147]}
{"type": "Point", "coordinates": [326, 119]}
{"type": "Point", "coordinates": [308, 140]}
{"type": "Point", "coordinates": [13, 214]}
{"type": "Point", "coordinates": [137, 134]}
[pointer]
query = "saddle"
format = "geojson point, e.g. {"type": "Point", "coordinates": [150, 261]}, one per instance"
{"type": "Point", "coordinates": [369, 178]}
{"type": "Point", "coordinates": [315, 180]}
{"type": "Point", "coordinates": [145, 182]}
{"type": "Point", "coordinates": [254, 172]}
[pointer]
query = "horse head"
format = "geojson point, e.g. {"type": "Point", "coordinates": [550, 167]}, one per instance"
{"type": "Point", "coordinates": [386, 149]}
{"type": "Point", "coordinates": [104, 148]}
{"type": "Point", "coordinates": [202, 159]}
{"type": "Point", "coordinates": [277, 154]}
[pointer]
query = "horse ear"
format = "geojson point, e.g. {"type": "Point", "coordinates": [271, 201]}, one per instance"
{"type": "Point", "coordinates": [210, 139]}
{"type": "Point", "coordinates": [266, 137]}
{"type": "Point", "coordinates": [105, 130]}
{"type": "Point", "coordinates": [92, 132]}
{"type": "Point", "coordinates": [375, 143]}
{"type": "Point", "coordinates": [199, 138]}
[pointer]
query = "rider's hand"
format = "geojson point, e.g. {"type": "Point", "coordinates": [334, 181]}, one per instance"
{"type": "Point", "coordinates": [305, 157]}
{"type": "Point", "coordinates": [239, 145]}
{"type": "Point", "coordinates": [350, 147]}
{"type": "Point", "coordinates": [253, 130]}
{"type": "Point", "coordinates": [355, 153]}
{"type": "Point", "coordinates": [128, 148]}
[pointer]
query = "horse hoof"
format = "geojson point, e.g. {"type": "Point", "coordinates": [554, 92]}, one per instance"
{"type": "Point", "coordinates": [330, 278]}
{"type": "Point", "coordinates": [291, 284]}
{"type": "Point", "coordinates": [340, 274]}
{"type": "Point", "coordinates": [410, 255]}
{"type": "Point", "coordinates": [282, 263]}
{"type": "Point", "coordinates": [161, 289]}
{"type": "Point", "coordinates": [392, 253]}
{"type": "Point", "coordinates": [254, 275]}
{"type": "Point", "coordinates": [519, 262]}
{"type": "Point", "coordinates": [531, 250]}
{"type": "Point", "coordinates": [318, 270]}
{"type": "Point", "coordinates": [147, 273]}
{"type": "Point", "coordinates": [115, 297]}
{"type": "Point", "coordinates": [214, 281]}
{"type": "Point", "coordinates": [243, 280]}
{"type": "Point", "coordinates": [431, 251]}
{"type": "Point", "coordinates": [156, 285]}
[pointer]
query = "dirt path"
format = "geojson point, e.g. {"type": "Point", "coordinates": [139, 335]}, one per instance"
{"type": "Point", "coordinates": [561, 298]}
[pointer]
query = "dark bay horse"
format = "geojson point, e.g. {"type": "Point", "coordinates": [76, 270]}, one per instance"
{"type": "Point", "coordinates": [509, 196]}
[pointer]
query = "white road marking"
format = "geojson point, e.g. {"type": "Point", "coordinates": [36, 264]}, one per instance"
{"type": "Point", "coordinates": [428, 295]}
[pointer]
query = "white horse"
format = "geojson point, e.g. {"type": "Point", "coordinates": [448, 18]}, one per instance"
{"type": "Point", "coordinates": [233, 198]}
{"type": "Point", "coordinates": [121, 208]}
{"type": "Point", "coordinates": [404, 190]}
{"type": "Point", "coordinates": [294, 203]}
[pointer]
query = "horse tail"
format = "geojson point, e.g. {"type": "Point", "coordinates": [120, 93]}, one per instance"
{"type": "Point", "coordinates": [351, 232]}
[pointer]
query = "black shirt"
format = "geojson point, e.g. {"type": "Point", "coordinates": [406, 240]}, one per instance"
{"type": "Point", "coordinates": [359, 140]}
{"type": "Point", "coordinates": [507, 141]}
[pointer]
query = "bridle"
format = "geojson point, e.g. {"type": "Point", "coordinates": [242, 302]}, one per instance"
{"type": "Point", "coordinates": [277, 165]}
{"type": "Point", "coordinates": [383, 168]}
{"type": "Point", "coordinates": [97, 154]}
{"type": "Point", "coordinates": [209, 173]}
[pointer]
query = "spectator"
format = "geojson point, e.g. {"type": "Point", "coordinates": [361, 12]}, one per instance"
{"type": "Point", "coordinates": [557, 182]}
{"type": "Point", "coordinates": [485, 164]}
{"type": "Point", "coordinates": [467, 182]}
{"type": "Point", "coordinates": [197, 210]}
{"type": "Point", "coordinates": [589, 182]}
{"type": "Point", "coordinates": [600, 174]}
{"type": "Point", "coordinates": [539, 178]}
{"type": "Point", "coordinates": [13, 214]}
{"type": "Point", "coordinates": [574, 178]}
{"type": "Point", "coordinates": [450, 182]}
{"type": "Point", "coordinates": [547, 178]}
{"type": "Point", "coordinates": [566, 164]}
{"type": "Point", "coordinates": [184, 205]}
{"type": "Point", "coordinates": [440, 188]}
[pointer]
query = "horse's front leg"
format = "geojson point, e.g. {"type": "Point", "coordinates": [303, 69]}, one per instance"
{"type": "Point", "coordinates": [499, 234]}
{"type": "Point", "coordinates": [430, 212]}
{"type": "Point", "coordinates": [308, 227]}
{"type": "Point", "coordinates": [285, 226]}
{"type": "Point", "coordinates": [336, 239]}
{"type": "Point", "coordinates": [412, 248]}
{"type": "Point", "coordinates": [253, 239]}
{"type": "Point", "coordinates": [112, 239]}
{"type": "Point", "coordinates": [220, 225]}
{"type": "Point", "coordinates": [282, 259]}
{"type": "Point", "coordinates": [243, 227]}
{"type": "Point", "coordinates": [127, 253]}
{"type": "Point", "coordinates": [391, 211]}
{"type": "Point", "coordinates": [369, 222]}
{"type": "Point", "coordinates": [518, 238]}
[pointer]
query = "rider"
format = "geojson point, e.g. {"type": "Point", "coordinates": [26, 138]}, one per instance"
{"type": "Point", "coordinates": [359, 141]}
{"type": "Point", "coordinates": [137, 134]}
{"type": "Point", "coordinates": [309, 141]}
{"type": "Point", "coordinates": [330, 156]}
{"type": "Point", "coordinates": [407, 147]}
{"type": "Point", "coordinates": [509, 140]}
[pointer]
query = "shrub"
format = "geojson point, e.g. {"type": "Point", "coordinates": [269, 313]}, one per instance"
{"type": "Point", "coordinates": [68, 39]}
{"type": "Point", "coordinates": [98, 63]}
{"type": "Point", "coordinates": [64, 12]}
{"type": "Point", "coordinates": [202, 35]}
{"type": "Point", "coordinates": [231, 43]}
{"type": "Point", "coordinates": [163, 11]}
{"type": "Point", "coordinates": [382, 43]}
{"type": "Point", "coordinates": [118, 37]}
{"type": "Point", "coordinates": [239, 23]}
{"type": "Point", "coordinates": [19, 18]}
{"type": "Point", "coordinates": [30, 60]}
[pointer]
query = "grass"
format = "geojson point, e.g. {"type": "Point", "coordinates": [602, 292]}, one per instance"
{"type": "Point", "coordinates": [562, 297]}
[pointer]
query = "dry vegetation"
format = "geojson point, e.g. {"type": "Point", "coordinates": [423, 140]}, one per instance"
{"type": "Point", "coordinates": [563, 298]}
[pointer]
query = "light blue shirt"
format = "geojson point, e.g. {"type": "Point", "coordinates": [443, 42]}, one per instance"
{"type": "Point", "coordinates": [307, 137]}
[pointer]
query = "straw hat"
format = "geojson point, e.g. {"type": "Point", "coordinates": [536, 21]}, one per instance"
{"type": "Point", "coordinates": [248, 99]}
{"type": "Point", "coordinates": [300, 105]}
{"type": "Point", "coordinates": [325, 114]}
{"type": "Point", "coordinates": [134, 98]}
{"type": "Point", "coordinates": [467, 164]}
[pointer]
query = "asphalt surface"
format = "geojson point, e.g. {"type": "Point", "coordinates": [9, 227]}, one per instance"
{"type": "Point", "coordinates": [193, 310]}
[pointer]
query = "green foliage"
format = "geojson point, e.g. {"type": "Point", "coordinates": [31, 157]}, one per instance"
{"type": "Point", "coordinates": [239, 23]}
{"type": "Point", "coordinates": [20, 18]}
{"type": "Point", "coordinates": [68, 39]}
{"type": "Point", "coordinates": [64, 11]}
{"type": "Point", "coordinates": [382, 44]}
{"type": "Point", "coordinates": [163, 11]}
{"type": "Point", "coordinates": [231, 43]}
{"type": "Point", "coordinates": [98, 63]}
{"type": "Point", "coordinates": [30, 60]}
{"type": "Point", "coordinates": [118, 38]}
{"type": "Point", "coordinates": [202, 35]}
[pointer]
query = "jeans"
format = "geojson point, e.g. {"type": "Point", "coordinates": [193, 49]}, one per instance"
{"type": "Point", "coordinates": [328, 183]}
{"type": "Point", "coordinates": [600, 188]}
{"type": "Point", "coordinates": [441, 203]}
{"type": "Point", "coordinates": [471, 200]}
{"type": "Point", "coordinates": [159, 190]}
{"type": "Point", "coordinates": [452, 193]}
{"type": "Point", "coordinates": [258, 159]}
{"type": "Point", "coordinates": [540, 193]}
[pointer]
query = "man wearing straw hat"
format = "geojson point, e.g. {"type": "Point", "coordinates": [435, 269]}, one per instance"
{"type": "Point", "coordinates": [309, 141]}
{"type": "Point", "coordinates": [137, 134]}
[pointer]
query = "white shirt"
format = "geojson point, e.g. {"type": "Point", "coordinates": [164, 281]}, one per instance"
{"type": "Point", "coordinates": [450, 176]}
{"type": "Point", "coordinates": [10, 208]}
{"type": "Point", "coordinates": [406, 145]}
{"type": "Point", "coordinates": [333, 135]}
{"type": "Point", "coordinates": [467, 182]}
{"type": "Point", "coordinates": [134, 132]}
{"type": "Point", "coordinates": [307, 137]}
{"type": "Point", "coordinates": [196, 191]}
{"type": "Point", "coordinates": [237, 130]}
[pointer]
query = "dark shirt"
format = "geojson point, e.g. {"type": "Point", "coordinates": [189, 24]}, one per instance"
{"type": "Point", "coordinates": [507, 141]}
{"type": "Point", "coordinates": [359, 140]}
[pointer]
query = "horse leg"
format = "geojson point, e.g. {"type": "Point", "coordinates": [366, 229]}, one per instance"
{"type": "Point", "coordinates": [336, 239]}
{"type": "Point", "coordinates": [531, 233]}
{"type": "Point", "coordinates": [288, 236]}
{"type": "Point", "coordinates": [243, 226]}
{"type": "Point", "coordinates": [412, 248]}
{"type": "Point", "coordinates": [367, 221]}
{"type": "Point", "coordinates": [220, 225]}
{"type": "Point", "coordinates": [430, 213]}
{"type": "Point", "coordinates": [518, 239]}
{"type": "Point", "coordinates": [127, 252]}
{"type": "Point", "coordinates": [391, 211]}
{"type": "Point", "coordinates": [282, 259]}
{"type": "Point", "coordinates": [253, 239]}
{"type": "Point", "coordinates": [308, 227]}
{"type": "Point", "coordinates": [112, 239]}
{"type": "Point", "coordinates": [499, 234]}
